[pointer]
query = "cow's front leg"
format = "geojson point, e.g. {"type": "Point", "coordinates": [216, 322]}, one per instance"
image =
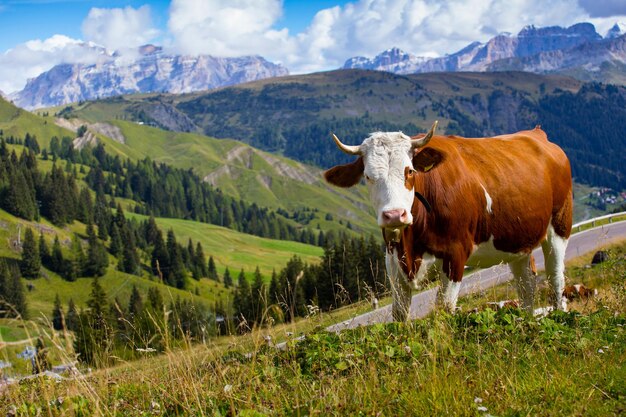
{"type": "Point", "coordinates": [450, 277]}
{"type": "Point", "coordinates": [400, 289]}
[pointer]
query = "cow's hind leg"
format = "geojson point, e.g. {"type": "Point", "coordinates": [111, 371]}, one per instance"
{"type": "Point", "coordinates": [525, 281]}
{"type": "Point", "coordinates": [554, 253]}
{"type": "Point", "coordinates": [400, 289]}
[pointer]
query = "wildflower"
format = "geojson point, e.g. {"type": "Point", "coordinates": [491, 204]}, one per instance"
{"type": "Point", "coordinates": [483, 409]}
{"type": "Point", "coordinates": [478, 400]}
{"type": "Point", "coordinates": [600, 351]}
{"type": "Point", "coordinates": [227, 388]}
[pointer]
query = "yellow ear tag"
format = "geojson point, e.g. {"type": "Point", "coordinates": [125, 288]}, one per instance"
{"type": "Point", "coordinates": [426, 169]}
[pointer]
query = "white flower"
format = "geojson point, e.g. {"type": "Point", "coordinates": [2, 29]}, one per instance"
{"type": "Point", "coordinates": [228, 388]}
{"type": "Point", "coordinates": [481, 408]}
{"type": "Point", "coordinates": [478, 400]}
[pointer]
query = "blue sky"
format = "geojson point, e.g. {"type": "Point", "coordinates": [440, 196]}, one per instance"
{"type": "Point", "coordinates": [23, 20]}
{"type": "Point", "coordinates": [304, 36]}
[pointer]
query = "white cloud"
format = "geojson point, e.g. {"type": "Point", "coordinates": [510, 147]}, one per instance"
{"type": "Point", "coordinates": [364, 27]}
{"type": "Point", "coordinates": [29, 59]}
{"type": "Point", "coordinates": [226, 28]}
{"type": "Point", "coordinates": [424, 27]}
{"type": "Point", "coordinates": [119, 28]}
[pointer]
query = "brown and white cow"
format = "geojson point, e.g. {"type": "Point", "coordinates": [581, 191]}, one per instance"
{"type": "Point", "coordinates": [447, 201]}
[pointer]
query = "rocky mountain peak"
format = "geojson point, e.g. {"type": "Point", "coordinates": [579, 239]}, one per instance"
{"type": "Point", "coordinates": [617, 30]}
{"type": "Point", "coordinates": [531, 41]}
{"type": "Point", "coordinates": [153, 71]}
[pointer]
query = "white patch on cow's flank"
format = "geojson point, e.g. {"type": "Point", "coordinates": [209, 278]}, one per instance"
{"type": "Point", "coordinates": [485, 255]}
{"type": "Point", "coordinates": [489, 200]}
{"type": "Point", "coordinates": [428, 261]}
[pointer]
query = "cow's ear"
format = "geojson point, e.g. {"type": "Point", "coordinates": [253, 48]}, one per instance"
{"type": "Point", "coordinates": [426, 159]}
{"type": "Point", "coordinates": [345, 175]}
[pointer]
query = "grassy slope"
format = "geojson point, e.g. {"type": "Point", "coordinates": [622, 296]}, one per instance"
{"type": "Point", "coordinates": [238, 169]}
{"type": "Point", "coordinates": [246, 172]}
{"type": "Point", "coordinates": [16, 122]}
{"type": "Point", "coordinates": [238, 250]}
{"type": "Point", "coordinates": [469, 364]}
{"type": "Point", "coordinates": [229, 248]}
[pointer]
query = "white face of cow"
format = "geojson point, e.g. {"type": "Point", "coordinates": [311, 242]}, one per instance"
{"type": "Point", "coordinates": [387, 159]}
{"type": "Point", "coordinates": [386, 163]}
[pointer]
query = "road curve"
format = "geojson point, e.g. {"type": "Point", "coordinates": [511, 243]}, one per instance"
{"type": "Point", "coordinates": [423, 302]}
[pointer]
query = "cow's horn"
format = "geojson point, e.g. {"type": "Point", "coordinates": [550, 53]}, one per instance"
{"type": "Point", "coordinates": [349, 149]}
{"type": "Point", "coordinates": [418, 143]}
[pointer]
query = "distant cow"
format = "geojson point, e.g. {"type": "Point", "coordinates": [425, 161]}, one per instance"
{"type": "Point", "coordinates": [448, 201]}
{"type": "Point", "coordinates": [579, 291]}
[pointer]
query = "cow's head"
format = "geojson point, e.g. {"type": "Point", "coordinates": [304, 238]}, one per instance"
{"type": "Point", "coordinates": [388, 162]}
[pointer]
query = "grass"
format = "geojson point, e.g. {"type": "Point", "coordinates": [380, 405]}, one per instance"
{"type": "Point", "coordinates": [468, 364]}
{"type": "Point", "coordinates": [229, 249]}
{"type": "Point", "coordinates": [238, 250]}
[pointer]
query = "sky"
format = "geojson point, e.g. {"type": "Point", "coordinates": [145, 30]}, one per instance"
{"type": "Point", "coordinates": [305, 36]}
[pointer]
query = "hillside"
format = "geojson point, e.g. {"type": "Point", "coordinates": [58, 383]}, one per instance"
{"type": "Point", "coordinates": [237, 169]}
{"type": "Point", "coordinates": [294, 115]}
{"type": "Point", "coordinates": [229, 248]}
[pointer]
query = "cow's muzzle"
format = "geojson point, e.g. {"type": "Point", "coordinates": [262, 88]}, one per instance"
{"type": "Point", "coordinates": [395, 218]}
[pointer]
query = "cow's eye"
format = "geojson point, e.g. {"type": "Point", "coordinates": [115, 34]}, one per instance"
{"type": "Point", "coordinates": [367, 178]}
{"type": "Point", "coordinates": [411, 172]}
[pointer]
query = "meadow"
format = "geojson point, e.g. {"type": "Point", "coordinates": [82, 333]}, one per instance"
{"type": "Point", "coordinates": [472, 363]}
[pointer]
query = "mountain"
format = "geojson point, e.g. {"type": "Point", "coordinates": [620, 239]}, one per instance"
{"type": "Point", "coordinates": [603, 60]}
{"type": "Point", "coordinates": [540, 50]}
{"type": "Point", "coordinates": [152, 71]}
{"type": "Point", "coordinates": [392, 60]}
{"type": "Point", "coordinates": [618, 29]}
{"type": "Point", "coordinates": [294, 115]}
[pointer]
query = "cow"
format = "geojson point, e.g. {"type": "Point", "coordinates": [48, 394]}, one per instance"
{"type": "Point", "coordinates": [444, 202]}
{"type": "Point", "coordinates": [579, 291]}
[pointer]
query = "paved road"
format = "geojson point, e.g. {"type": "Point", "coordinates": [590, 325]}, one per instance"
{"type": "Point", "coordinates": [423, 302]}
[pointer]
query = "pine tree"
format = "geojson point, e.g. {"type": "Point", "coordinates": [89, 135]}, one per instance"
{"type": "Point", "coordinates": [211, 270]}
{"type": "Point", "coordinates": [85, 212]}
{"type": "Point", "coordinates": [275, 290]}
{"type": "Point", "coordinates": [102, 215]}
{"type": "Point", "coordinates": [57, 314]}
{"type": "Point", "coordinates": [44, 251]}
{"type": "Point", "coordinates": [177, 270]}
{"type": "Point", "coordinates": [57, 262]}
{"type": "Point", "coordinates": [242, 302]}
{"type": "Point", "coordinates": [160, 258]}
{"type": "Point", "coordinates": [116, 245]}
{"type": "Point", "coordinates": [30, 264]}
{"type": "Point", "coordinates": [199, 262]}
{"type": "Point", "coordinates": [97, 258]}
{"type": "Point", "coordinates": [72, 320]}
{"type": "Point", "coordinates": [12, 298]}
{"type": "Point", "coordinates": [19, 198]}
{"type": "Point", "coordinates": [258, 296]}
{"type": "Point", "coordinates": [135, 304]}
{"type": "Point", "coordinates": [228, 280]}
{"type": "Point", "coordinates": [93, 337]}
{"type": "Point", "coordinates": [293, 292]}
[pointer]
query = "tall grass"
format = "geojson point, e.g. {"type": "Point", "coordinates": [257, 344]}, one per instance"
{"type": "Point", "coordinates": [467, 364]}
